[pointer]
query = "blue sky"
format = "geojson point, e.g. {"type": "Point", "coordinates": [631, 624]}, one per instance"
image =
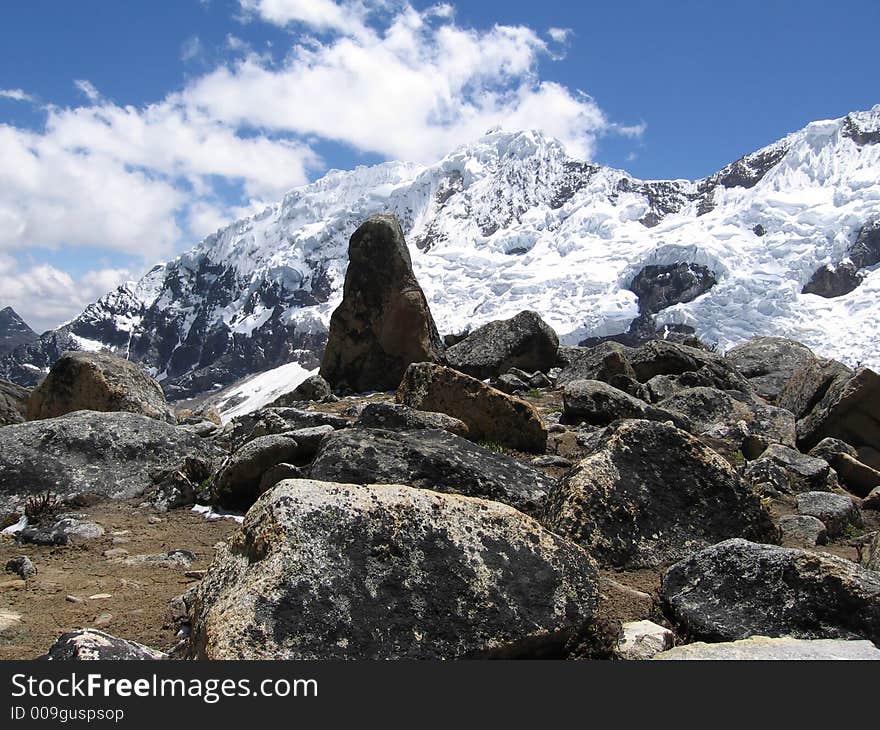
{"type": "Point", "coordinates": [130, 130]}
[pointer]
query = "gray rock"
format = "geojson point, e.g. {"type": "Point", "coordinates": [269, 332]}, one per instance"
{"type": "Point", "coordinates": [429, 459]}
{"type": "Point", "coordinates": [829, 449]}
{"type": "Point", "coordinates": [809, 383]}
{"type": "Point", "coordinates": [599, 404]}
{"type": "Point", "coordinates": [524, 341]}
{"type": "Point", "coordinates": [272, 421]}
{"type": "Point", "coordinates": [110, 454]}
{"type": "Point", "coordinates": [92, 644]}
{"type": "Point", "coordinates": [383, 323]}
{"type": "Point", "coordinates": [871, 556]}
{"type": "Point", "coordinates": [803, 529]}
{"type": "Point", "coordinates": [393, 416]}
{"type": "Point", "coordinates": [308, 440]}
{"type": "Point", "coordinates": [769, 362]}
{"type": "Point", "coordinates": [13, 403]}
{"type": "Point", "coordinates": [872, 501]}
{"type": "Point", "coordinates": [67, 529]}
{"type": "Point", "coordinates": [510, 384]}
{"type": "Point", "coordinates": [97, 381]}
{"type": "Point", "coordinates": [737, 589]}
{"type": "Point", "coordinates": [801, 473]}
{"type": "Point", "coordinates": [660, 357]}
{"type": "Point", "coordinates": [237, 485]}
{"type": "Point", "coordinates": [594, 363]}
{"type": "Point", "coordinates": [313, 388]}
{"type": "Point", "coordinates": [170, 559]}
{"type": "Point", "coordinates": [490, 415]}
{"type": "Point", "coordinates": [640, 640]}
{"type": "Point", "coordinates": [22, 566]}
{"type": "Point", "coordinates": [836, 511]}
{"type": "Point", "coordinates": [336, 571]}
{"type": "Point", "coordinates": [650, 494]}
{"type": "Point", "coordinates": [279, 473]}
{"type": "Point", "coordinates": [858, 478]}
{"type": "Point", "coordinates": [763, 648]}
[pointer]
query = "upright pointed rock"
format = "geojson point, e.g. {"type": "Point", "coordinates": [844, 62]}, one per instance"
{"type": "Point", "coordinates": [383, 323]}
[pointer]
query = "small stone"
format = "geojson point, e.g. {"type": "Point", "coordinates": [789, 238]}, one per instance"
{"type": "Point", "coordinates": [197, 574]}
{"type": "Point", "coordinates": [73, 599]}
{"type": "Point", "coordinates": [835, 510]}
{"type": "Point", "coordinates": [115, 553]}
{"type": "Point", "coordinates": [782, 648]}
{"type": "Point", "coordinates": [804, 529]}
{"type": "Point", "coordinates": [552, 460]}
{"type": "Point", "coordinates": [100, 596]}
{"type": "Point", "coordinates": [154, 520]}
{"type": "Point", "coordinates": [119, 540]}
{"type": "Point", "coordinates": [22, 566]}
{"type": "Point", "coordinates": [103, 619]}
{"type": "Point", "coordinates": [642, 640]}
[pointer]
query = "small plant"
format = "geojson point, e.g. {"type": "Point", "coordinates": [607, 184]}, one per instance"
{"type": "Point", "coordinates": [533, 393]}
{"type": "Point", "coordinates": [41, 509]}
{"type": "Point", "coordinates": [492, 446]}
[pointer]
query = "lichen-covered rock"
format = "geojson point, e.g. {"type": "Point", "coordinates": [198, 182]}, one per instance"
{"type": "Point", "coordinates": [763, 648]}
{"type": "Point", "coordinates": [802, 473]}
{"type": "Point", "coordinates": [97, 381]}
{"type": "Point", "coordinates": [650, 494]}
{"type": "Point", "coordinates": [335, 571]}
{"type": "Point", "coordinates": [803, 529]}
{"type": "Point", "coordinates": [22, 566]}
{"type": "Point", "coordinates": [313, 388]}
{"type": "Point", "coordinates": [858, 478]}
{"type": "Point", "coordinates": [849, 411]}
{"type": "Point", "coordinates": [237, 485]}
{"type": "Point", "coordinates": [525, 341]}
{"type": "Point", "coordinates": [393, 416]}
{"type": "Point", "coordinates": [273, 421]}
{"type": "Point", "coordinates": [490, 415]}
{"type": "Point", "coordinates": [871, 558]}
{"type": "Point", "coordinates": [64, 530]}
{"type": "Point", "coordinates": [737, 589]}
{"type": "Point", "coordinates": [383, 322]}
{"type": "Point", "coordinates": [92, 644]}
{"type": "Point", "coordinates": [769, 362]}
{"type": "Point", "coordinates": [599, 404]}
{"type": "Point", "coordinates": [13, 403]}
{"type": "Point", "coordinates": [429, 459]}
{"type": "Point", "coordinates": [836, 511]}
{"type": "Point", "coordinates": [660, 357]}
{"type": "Point", "coordinates": [809, 383]}
{"type": "Point", "coordinates": [829, 449]}
{"type": "Point", "coordinates": [110, 454]}
{"type": "Point", "coordinates": [595, 363]}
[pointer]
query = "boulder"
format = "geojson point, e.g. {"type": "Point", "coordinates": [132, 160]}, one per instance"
{"type": "Point", "coordinates": [599, 404]}
{"type": "Point", "coordinates": [237, 485]}
{"type": "Point", "coordinates": [871, 556]}
{"type": "Point", "coordinates": [640, 640]}
{"type": "Point", "coordinates": [730, 419]}
{"type": "Point", "coordinates": [313, 388]}
{"type": "Point", "coordinates": [510, 384]}
{"type": "Point", "coordinates": [22, 566]}
{"type": "Point", "coordinates": [97, 381]}
{"type": "Point", "coordinates": [383, 323]}
{"type": "Point", "coordinates": [429, 459]}
{"type": "Point", "coordinates": [92, 644]}
{"type": "Point", "coordinates": [872, 501]}
{"type": "Point", "coordinates": [849, 411]}
{"type": "Point", "coordinates": [490, 415]}
{"type": "Point", "coordinates": [13, 403]}
{"type": "Point", "coordinates": [829, 449]}
{"type": "Point", "coordinates": [803, 529]}
{"type": "Point", "coordinates": [109, 454]}
{"type": "Point", "coordinates": [836, 511]}
{"type": "Point", "coordinates": [595, 363]}
{"type": "Point", "coordinates": [660, 357]}
{"type": "Point", "coordinates": [650, 494]}
{"type": "Point", "coordinates": [273, 421]}
{"type": "Point", "coordinates": [64, 530]}
{"type": "Point", "coordinates": [809, 383]}
{"type": "Point", "coordinates": [769, 362]}
{"type": "Point", "coordinates": [801, 473]}
{"type": "Point", "coordinates": [525, 341]}
{"type": "Point", "coordinates": [763, 648]}
{"type": "Point", "coordinates": [342, 571]}
{"type": "Point", "coordinates": [858, 478]}
{"type": "Point", "coordinates": [737, 589]}
{"type": "Point", "coordinates": [393, 416]}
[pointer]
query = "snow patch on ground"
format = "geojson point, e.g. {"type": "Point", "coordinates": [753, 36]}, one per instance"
{"type": "Point", "coordinates": [261, 389]}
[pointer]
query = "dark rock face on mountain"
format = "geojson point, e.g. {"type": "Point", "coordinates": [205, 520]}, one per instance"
{"type": "Point", "coordinates": [429, 459]}
{"type": "Point", "coordinates": [769, 362]}
{"type": "Point", "coordinates": [524, 341]}
{"type": "Point", "coordinates": [490, 415]}
{"type": "Point", "coordinates": [97, 381]}
{"type": "Point", "coordinates": [95, 645]}
{"type": "Point", "coordinates": [833, 281]}
{"type": "Point", "coordinates": [383, 323]}
{"type": "Point", "coordinates": [649, 494]}
{"type": "Point", "coordinates": [340, 571]}
{"type": "Point", "coordinates": [13, 403]}
{"type": "Point", "coordinates": [110, 454]}
{"type": "Point", "coordinates": [14, 332]}
{"type": "Point", "coordinates": [659, 287]}
{"type": "Point", "coordinates": [737, 589]}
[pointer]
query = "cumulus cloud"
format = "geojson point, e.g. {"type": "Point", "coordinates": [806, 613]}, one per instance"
{"type": "Point", "coordinates": [87, 88]}
{"type": "Point", "coordinates": [15, 95]}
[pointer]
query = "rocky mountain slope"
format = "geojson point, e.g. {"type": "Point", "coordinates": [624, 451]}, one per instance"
{"type": "Point", "coordinates": [512, 222]}
{"type": "Point", "coordinates": [14, 331]}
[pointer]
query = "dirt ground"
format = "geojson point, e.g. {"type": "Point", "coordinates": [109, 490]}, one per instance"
{"type": "Point", "coordinates": [139, 595]}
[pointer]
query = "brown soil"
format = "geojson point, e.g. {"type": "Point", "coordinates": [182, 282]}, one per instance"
{"type": "Point", "coordinates": [139, 594]}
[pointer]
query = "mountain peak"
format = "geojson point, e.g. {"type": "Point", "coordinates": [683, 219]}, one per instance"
{"type": "Point", "coordinates": [13, 331]}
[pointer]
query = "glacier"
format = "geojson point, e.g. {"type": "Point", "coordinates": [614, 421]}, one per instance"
{"type": "Point", "coordinates": [507, 223]}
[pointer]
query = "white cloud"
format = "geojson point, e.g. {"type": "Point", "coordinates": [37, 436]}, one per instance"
{"type": "Point", "coordinates": [192, 48]}
{"type": "Point", "coordinates": [44, 296]}
{"type": "Point", "coordinates": [15, 95]}
{"type": "Point", "coordinates": [320, 15]}
{"type": "Point", "coordinates": [88, 89]}
{"type": "Point", "coordinates": [560, 35]}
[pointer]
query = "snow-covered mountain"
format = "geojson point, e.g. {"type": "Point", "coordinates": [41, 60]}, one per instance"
{"type": "Point", "coordinates": [511, 222]}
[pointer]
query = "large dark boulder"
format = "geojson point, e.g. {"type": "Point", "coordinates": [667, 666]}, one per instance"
{"type": "Point", "coordinates": [429, 459]}
{"type": "Point", "coordinates": [342, 571]}
{"type": "Point", "coordinates": [490, 415]}
{"type": "Point", "coordinates": [599, 404]}
{"type": "Point", "coordinates": [13, 403]}
{"type": "Point", "coordinates": [237, 485]}
{"type": "Point", "coordinates": [111, 454]}
{"type": "Point", "coordinates": [601, 362]}
{"type": "Point", "coordinates": [737, 589]}
{"type": "Point", "coordinates": [394, 416]}
{"type": "Point", "coordinates": [271, 421]}
{"type": "Point", "coordinates": [525, 341]}
{"type": "Point", "coordinates": [769, 362]}
{"type": "Point", "coordinates": [95, 645]}
{"type": "Point", "coordinates": [834, 281]}
{"type": "Point", "coordinates": [313, 388]}
{"type": "Point", "coordinates": [809, 384]}
{"type": "Point", "coordinates": [650, 494]}
{"type": "Point", "coordinates": [97, 381]}
{"type": "Point", "coordinates": [791, 471]}
{"type": "Point", "coordinates": [383, 323]}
